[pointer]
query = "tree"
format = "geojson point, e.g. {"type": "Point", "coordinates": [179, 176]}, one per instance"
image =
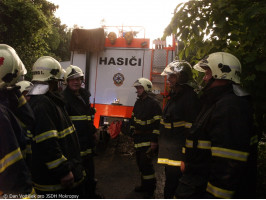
{"type": "Point", "coordinates": [237, 27]}
{"type": "Point", "coordinates": [31, 28]}
{"type": "Point", "coordinates": [59, 41]}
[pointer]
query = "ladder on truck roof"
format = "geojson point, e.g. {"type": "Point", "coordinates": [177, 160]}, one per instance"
{"type": "Point", "coordinates": [160, 58]}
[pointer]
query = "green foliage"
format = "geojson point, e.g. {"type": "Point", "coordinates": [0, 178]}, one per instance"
{"type": "Point", "coordinates": [30, 27]}
{"type": "Point", "coordinates": [59, 41]}
{"type": "Point", "coordinates": [237, 27]}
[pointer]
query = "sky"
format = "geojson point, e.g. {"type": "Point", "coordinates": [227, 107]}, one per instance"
{"type": "Point", "coordinates": [150, 16]}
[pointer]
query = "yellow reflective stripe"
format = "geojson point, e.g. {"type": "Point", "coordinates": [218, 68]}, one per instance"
{"type": "Point", "coordinates": [10, 159]}
{"type": "Point", "coordinates": [56, 163]}
{"type": "Point", "coordinates": [157, 117]}
{"type": "Point", "coordinates": [46, 135]}
{"type": "Point", "coordinates": [143, 144]}
{"type": "Point", "coordinates": [254, 140]}
{"type": "Point", "coordinates": [147, 177]}
{"type": "Point", "coordinates": [21, 101]}
{"type": "Point", "coordinates": [58, 186]}
{"type": "Point", "coordinates": [87, 152]}
{"type": "Point", "coordinates": [169, 162]}
{"type": "Point", "coordinates": [229, 153]}
{"type": "Point", "coordinates": [66, 132]}
{"type": "Point", "coordinates": [189, 143]}
{"type": "Point", "coordinates": [218, 192]}
{"type": "Point", "coordinates": [156, 131]}
{"type": "Point", "coordinates": [183, 150]}
{"type": "Point", "coordinates": [166, 125]}
{"type": "Point", "coordinates": [188, 125]}
{"type": "Point", "coordinates": [81, 117]}
{"type": "Point", "coordinates": [204, 144]}
{"type": "Point", "coordinates": [132, 127]}
{"type": "Point", "coordinates": [143, 123]}
{"type": "Point", "coordinates": [29, 135]}
{"type": "Point", "coordinates": [176, 124]}
{"type": "Point", "coordinates": [32, 195]}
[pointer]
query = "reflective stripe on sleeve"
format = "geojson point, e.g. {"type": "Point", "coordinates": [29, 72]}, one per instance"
{"type": "Point", "coordinates": [157, 132]}
{"type": "Point", "coordinates": [176, 124]}
{"type": "Point", "coordinates": [21, 101]}
{"type": "Point", "coordinates": [54, 133]}
{"type": "Point", "coordinates": [143, 123]}
{"type": "Point", "coordinates": [56, 187]}
{"type": "Point", "coordinates": [147, 177]}
{"type": "Point", "coordinates": [87, 152]}
{"type": "Point", "coordinates": [189, 143]}
{"type": "Point", "coordinates": [46, 135]}
{"type": "Point", "coordinates": [229, 153]}
{"type": "Point", "coordinates": [55, 163]}
{"type": "Point", "coordinates": [66, 132]}
{"type": "Point", "coordinates": [169, 162]}
{"type": "Point", "coordinates": [188, 125]}
{"type": "Point", "coordinates": [157, 117]}
{"type": "Point", "coordinates": [10, 159]}
{"type": "Point", "coordinates": [29, 135]}
{"type": "Point", "coordinates": [218, 192]}
{"type": "Point", "coordinates": [143, 144]}
{"type": "Point", "coordinates": [81, 117]}
{"type": "Point", "coordinates": [204, 144]}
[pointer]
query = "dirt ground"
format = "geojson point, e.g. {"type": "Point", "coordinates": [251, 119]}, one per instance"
{"type": "Point", "coordinates": [117, 172]}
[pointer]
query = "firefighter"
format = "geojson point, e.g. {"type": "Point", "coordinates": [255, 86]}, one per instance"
{"type": "Point", "coordinates": [221, 146]}
{"type": "Point", "coordinates": [57, 166]}
{"type": "Point", "coordinates": [145, 123]}
{"type": "Point", "coordinates": [178, 114]}
{"type": "Point", "coordinates": [15, 178]}
{"type": "Point", "coordinates": [81, 113]}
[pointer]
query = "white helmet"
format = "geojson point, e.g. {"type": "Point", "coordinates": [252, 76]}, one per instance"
{"type": "Point", "coordinates": [73, 72]}
{"type": "Point", "coordinates": [145, 83]}
{"type": "Point", "coordinates": [46, 68]}
{"type": "Point", "coordinates": [24, 86]}
{"type": "Point", "coordinates": [11, 67]}
{"type": "Point", "coordinates": [223, 66]}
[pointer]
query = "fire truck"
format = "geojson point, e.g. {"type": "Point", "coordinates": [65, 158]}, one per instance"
{"type": "Point", "coordinates": [112, 61]}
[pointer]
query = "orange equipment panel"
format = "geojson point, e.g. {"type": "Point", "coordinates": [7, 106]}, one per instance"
{"type": "Point", "coordinates": [112, 111]}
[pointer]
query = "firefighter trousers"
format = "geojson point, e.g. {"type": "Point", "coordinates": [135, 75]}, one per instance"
{"type": "Point", "coordinates": [172, 176]}
{"type": "Point", "coordinates": [90, 182]}
{"type": "Point", "coordinates": [148, 179]}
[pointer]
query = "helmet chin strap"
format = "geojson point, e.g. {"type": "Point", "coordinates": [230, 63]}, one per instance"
{"type": "Point", "coordinates": [210, 82]}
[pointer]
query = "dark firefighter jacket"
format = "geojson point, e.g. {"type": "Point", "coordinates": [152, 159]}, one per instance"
{"type": "Point", "coordinates": [81, 113]}
{"type": "Point", "coordinates": [178, 115]}
{"type": "Point", "coordinates": [221, 146]}
{"type": "Point", "coordinates": [55, 149]}
{"type": "Point", "coordinates": [145, 122]}
{"type": "Point", "coordinates": [19, 106]}
{"type": "Point", "coordinates": [14, 174]}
